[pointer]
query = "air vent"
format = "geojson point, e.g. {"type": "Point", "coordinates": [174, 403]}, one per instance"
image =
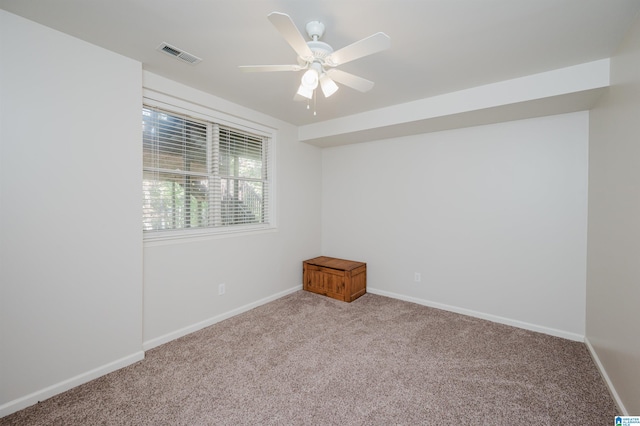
{"type": "Point", "coordinates": [179, 54]}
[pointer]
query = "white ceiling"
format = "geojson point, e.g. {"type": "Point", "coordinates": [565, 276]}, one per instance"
{"type": "Point", "coordinates": [437, 46]}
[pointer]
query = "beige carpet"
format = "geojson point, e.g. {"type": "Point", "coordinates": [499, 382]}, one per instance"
{"type": "Point", "coordinates": [309, 360]}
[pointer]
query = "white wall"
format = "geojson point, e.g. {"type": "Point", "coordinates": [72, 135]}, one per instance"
{"type": "Point", "coordinates": [613, 277]}
{"type": "Point", "coordinates": [70, 238]}
{"type": "Point", "coordinates": [71, 242]}
{"type": "Point", "coordinates": [181, 278]}
{"type": "Point", "coordinates": [493, 217]}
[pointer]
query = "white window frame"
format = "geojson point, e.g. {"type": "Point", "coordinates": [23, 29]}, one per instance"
{"type": "Point", "coordinates": [199, 112]}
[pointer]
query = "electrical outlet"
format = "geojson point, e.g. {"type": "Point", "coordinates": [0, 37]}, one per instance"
{"type": "Point", "coordinates": [221, 289]}
{"type": "Point", "coordinates": [416, 277]}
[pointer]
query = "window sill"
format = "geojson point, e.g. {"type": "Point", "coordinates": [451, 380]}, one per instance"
{"type": "Point", "coordinates": [160, 238]}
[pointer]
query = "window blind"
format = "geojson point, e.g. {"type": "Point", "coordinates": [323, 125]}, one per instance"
{"type": "Point", "coordinates": [200, 174]}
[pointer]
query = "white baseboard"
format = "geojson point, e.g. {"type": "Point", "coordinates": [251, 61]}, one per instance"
{"type": "Point", "coordinates": [152, 343]}
{"type": "Point", "coordinates": [31, 399]}
{"type": "Point", "coordinates": [494, 318]}
{"type": "Point", "coordinates": [606, 378]}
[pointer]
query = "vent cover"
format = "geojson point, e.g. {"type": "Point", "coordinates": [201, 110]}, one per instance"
{"type": "Point", "coordinates": [179, 54]}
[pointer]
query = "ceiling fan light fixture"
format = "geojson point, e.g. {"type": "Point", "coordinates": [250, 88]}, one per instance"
{"type": "Point", "coordinates": [329, 87]}
{"type": "Point", "coordinates": [307, 92]}
{"type": "Point", "coordinates": [311, 76]}
{"type": "Point", "coordinates": [310, 79]}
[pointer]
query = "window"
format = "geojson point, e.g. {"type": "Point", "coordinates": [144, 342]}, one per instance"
{"type": "Point", "coordinates": [199, 175]}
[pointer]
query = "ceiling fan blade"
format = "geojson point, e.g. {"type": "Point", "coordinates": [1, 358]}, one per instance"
{"type": "Point", "coordinates": [353, 81]}
{"type": "Point", "coordinates": [269, 68]}
{"type": "Point", "coordinates": [284, 24]}
{"type": "Point", "coordinates": [367, 46]}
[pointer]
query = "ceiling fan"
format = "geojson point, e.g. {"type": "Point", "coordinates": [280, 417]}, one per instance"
{"type": "Point", "coordinates": [318, 58]}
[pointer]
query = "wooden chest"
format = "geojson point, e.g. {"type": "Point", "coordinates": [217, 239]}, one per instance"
{"type": "Point", "coordinates": [340, 279]}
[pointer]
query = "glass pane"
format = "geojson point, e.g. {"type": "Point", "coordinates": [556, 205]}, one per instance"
{"type": "Point", "coordinates": [174, 201]}
{"type": "Point", "coordinates": [242, 202]}
{"type": "Point", "coordinates": [172, 142]}
{"type": "Point", "coordinates": [240, 154]}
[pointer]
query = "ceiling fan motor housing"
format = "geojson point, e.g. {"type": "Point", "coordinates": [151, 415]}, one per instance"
{"type": "Point", "coordinates": [315, 30]}
{"type": "Point", "coordinates": [320, 50]}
